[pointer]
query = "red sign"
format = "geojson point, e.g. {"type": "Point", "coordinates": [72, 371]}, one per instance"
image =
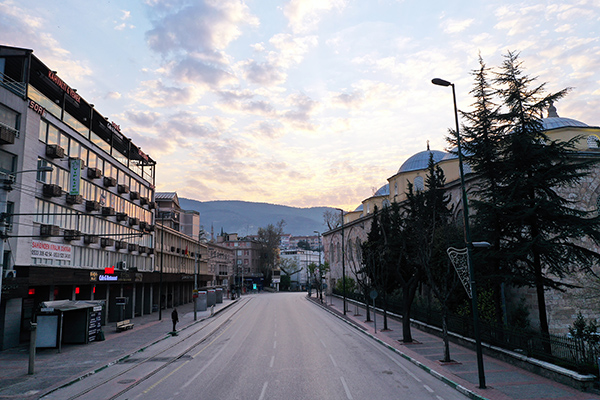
{"type": "Point", "coordinates": [109, 270]}
{"type": "Point", "coordinates": [61, 84]}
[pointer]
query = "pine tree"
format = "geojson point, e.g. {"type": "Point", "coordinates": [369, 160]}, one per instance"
{"type": "Point", "coordinates": [541, 229]}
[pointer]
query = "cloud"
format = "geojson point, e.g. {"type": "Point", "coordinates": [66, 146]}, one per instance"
{"type": "Point", "coordinates": [113, 95]}
{"type": "Point", "coordinates": [197, 26]}
{"type": "Point", "coordinates": [143, 118]}
{"type": "Point", "coordinates": [305, 15]}
{"type": "Point", "coordinates": [265, 73]}
{"type": "Point", "coordinates": [456, 25]}
{"type": "Point", "coordinates": [156, 94]}
{"type": "Point", "coordinates": [302, 109]}
{"type": "Point", "coordinates": [192, 70]}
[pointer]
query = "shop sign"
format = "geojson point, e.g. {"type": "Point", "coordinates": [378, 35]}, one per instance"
{"type": "Point", "coordinates": [75, 176]}
{"type": "Point", "coordinates": [51, 251]}
{"type": "Point", "coordinates": [61, 84]}
{"type": "Point", "coordinates": [108, 278]}
{"type": "Point", "coordinates": [93, 276]}
{"type": "Point", "coordinates": [37, 108]}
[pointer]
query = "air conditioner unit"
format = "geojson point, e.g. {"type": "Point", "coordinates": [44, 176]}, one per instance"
{"type": "Point", "coordinates": [121, 216]}
{"type": "Point", "coordinates": [123, 189]}
{"type": "Point", "coordinates": [74, 199]}
{"type": "Point", "coordinates": [143, 225]}
{"type": "Point", "coordinates": [94, 173]}
{"type": "Point", "coordinates": [134, 221]}
{"type": "Point", "coordinates": [49, 230]}
{"type": "Point", "coordinates": [119, 244]}
{"type": "Point", "coordinates": [109, 181]}
{"type": "Point", "coordinates": [150, 228]}
{"type": "Point", "coordinates": [10, 273]}
{"type": "Point", "coordinates": [54, 151]}
{"type": "Point", "coordinates": [151, 205]}
{"type": "Point", "coordinates": [89, 239]}
{"type": "Point", "coordinates": [72, 234]}
{"type": "Point", "coordinates": [92, 205]}
{"type": "Point", "coordinates": [108, 211]}
{"type": "Point", "coordinates": [150, 250]}
{"type": "Point", "coordinates": [107, 242]}
{"type": "Point", "coordinates": [143, 201]}
{"type": "Point", "coordinates": [133, 247]}
{"type": "Point", "coordinates": [7, 135]}
{"type": "Point", "coordinates": [52, 190]}
{"type": "Point", "coordinates": [143, 249]}
{"type": "Point", "coordinates": [134, 195]}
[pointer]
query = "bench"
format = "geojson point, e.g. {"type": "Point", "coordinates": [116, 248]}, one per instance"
{"type": "Point", "coordinates": [124, 325]}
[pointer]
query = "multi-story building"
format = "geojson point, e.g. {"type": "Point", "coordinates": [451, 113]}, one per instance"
{"type": "Point", "coordinates": [246, 259]}
{"type": "Point", "coordinates": [221, 263]}
{"type": "Point", "coordinates": [301, 259]}
{"type": "Point", "coordinates": [68, 228]}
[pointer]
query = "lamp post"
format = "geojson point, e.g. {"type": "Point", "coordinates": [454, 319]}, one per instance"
{"type": "Point", "coordinates": [343, 262]}
{"type": "Point", "coordinates": [468, 242]}
{"type": "Point", "coordinates": [7, 187]}
{"type": "Point", "coordinates": [319, 236]}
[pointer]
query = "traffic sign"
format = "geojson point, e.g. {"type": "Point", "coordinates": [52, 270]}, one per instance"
{"type": "Point", "coordinates": [373, 294]}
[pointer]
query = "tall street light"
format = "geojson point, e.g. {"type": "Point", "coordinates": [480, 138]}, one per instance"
{"type": "Point", "coordinates": [468, 242]}
{"type": "Point", "coordinates": [343, 261]}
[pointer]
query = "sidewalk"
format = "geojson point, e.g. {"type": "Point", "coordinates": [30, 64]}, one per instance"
{"type": "Point", "coordinates": [503, 380]}
{"type": "Point", "coordinates": [53, 369]}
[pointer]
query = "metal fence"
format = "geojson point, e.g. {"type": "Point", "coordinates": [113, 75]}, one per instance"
{"type": "Point", "coordinates": [563, 350]}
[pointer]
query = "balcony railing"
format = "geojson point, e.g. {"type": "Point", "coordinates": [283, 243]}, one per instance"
{"type": "Point", "coordinates": [18, 88]}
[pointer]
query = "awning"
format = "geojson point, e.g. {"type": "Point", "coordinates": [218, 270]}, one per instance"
{"type": "Point", "coordinates": [70, 305]}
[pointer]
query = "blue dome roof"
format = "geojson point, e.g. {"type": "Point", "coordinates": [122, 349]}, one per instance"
{"type": "Point", "coordinates": [560, 122]}
{"type": "Point", "coordinates": [383, 191]}
{"type": "Point", "coordinates": [421, 160]}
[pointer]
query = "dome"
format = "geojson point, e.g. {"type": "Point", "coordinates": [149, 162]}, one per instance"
{"type": "Point", "coordinates": [359, 208]}
{"type": "Point", "coordinates": [421, 160]}
{"type": "Point", "coordinates": [383, 191]}
{"type": "Point", "coordinates": [555, 122]}
{"type": "Point", "coordinates": [560, 122]}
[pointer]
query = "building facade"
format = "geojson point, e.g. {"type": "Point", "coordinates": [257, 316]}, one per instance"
{"type": "Point", "coordinates": [81, 226]}
{"type": "Point", "coordinates": [246, 254]}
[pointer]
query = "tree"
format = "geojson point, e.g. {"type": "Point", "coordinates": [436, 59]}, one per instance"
{"type": "Point", "coordinates": [332, 219]}
{"type": "Point", "coordinates": [270, 238]}
{"type": "Point", "coordinates": [303, 244]}
{"type": "Point", "coordinates": [540, 241]}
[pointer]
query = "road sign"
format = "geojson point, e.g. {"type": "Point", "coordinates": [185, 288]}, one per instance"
{"type": "Point", "coordinates": [373, 294]}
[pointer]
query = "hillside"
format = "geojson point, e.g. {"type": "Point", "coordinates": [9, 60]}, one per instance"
{"type": "Point", "coordinates": [245, 218]}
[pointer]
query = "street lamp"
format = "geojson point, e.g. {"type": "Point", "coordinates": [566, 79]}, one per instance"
{"type": "Point", "coordinates": [468, 242]}
{"type": "Point", "coordinates": [343, 262]}
{"type": "Point", "coordinates": [7, 187]}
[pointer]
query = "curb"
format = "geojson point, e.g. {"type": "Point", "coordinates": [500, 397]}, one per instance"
{"type": "Point", "coordinates": [461, 389]}
{"type": "Point", "coordinates": [141, 349]}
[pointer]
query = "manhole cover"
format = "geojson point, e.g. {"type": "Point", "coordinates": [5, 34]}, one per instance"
{"type": "Point", "coordinates": [126, 381]}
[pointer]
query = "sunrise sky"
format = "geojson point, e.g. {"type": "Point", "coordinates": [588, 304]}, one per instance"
{"type": "Point", "coordinates": [302, 102]}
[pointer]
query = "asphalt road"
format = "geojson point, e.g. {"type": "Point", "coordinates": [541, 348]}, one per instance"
{"type": "Point", "coordinates": [268, 346]}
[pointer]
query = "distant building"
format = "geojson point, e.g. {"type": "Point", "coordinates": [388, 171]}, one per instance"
{"type": "Point", "coordinates": [246, 259]}
{"type": "Point", "coordinates": [301, 258]}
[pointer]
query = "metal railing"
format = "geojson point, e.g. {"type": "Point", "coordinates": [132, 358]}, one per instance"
{"type": "Point", "coordinates": [563, 350]}
{"type": "Point", "coordinates": [14, 86]}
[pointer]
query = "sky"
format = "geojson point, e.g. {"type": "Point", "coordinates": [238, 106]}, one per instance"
{"type": "Point", "coordinates": [301, 102]}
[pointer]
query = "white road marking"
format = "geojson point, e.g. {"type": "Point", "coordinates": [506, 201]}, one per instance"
{"type": "Point", "coordinates": [275, 344]}
{"type": "Point", "coordinates": [272, 361]}
{"type": "Point", "coordinates": [323, 343]}
{"type": "Point", "coordinates": [333, 361]}
{"type": "Point", "coordinates": [430, 390]}
{"type": "Point", "coordinates": [262, 393]}
{"type": "Point", "coordinates": [348, 395]}
{"type": "Point", "coordinates": [439, 397]}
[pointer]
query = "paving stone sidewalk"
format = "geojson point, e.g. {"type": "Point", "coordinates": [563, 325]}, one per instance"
{"type": "Point", "coordinates": [503, 380]}
{"type": "Point", "coordinates": [54, 369]}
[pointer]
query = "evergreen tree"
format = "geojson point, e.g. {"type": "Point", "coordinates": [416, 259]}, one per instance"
{"type": "Point", "coordinates": [539, 230]}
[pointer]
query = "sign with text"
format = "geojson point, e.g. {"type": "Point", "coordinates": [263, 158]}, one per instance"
{"type": "Point", "coordinates": [75, 176]}
{"type": "Point", "coordinates": [51, 251]}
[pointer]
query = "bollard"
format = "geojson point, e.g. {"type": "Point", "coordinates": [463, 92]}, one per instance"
{"type": "Point", "coordinates": [212, 310]}
{"type": "Point", "coordinates": [32, 340]}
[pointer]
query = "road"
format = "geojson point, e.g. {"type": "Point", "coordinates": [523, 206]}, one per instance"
{"type": "Point", "coordinates": [269, 346]}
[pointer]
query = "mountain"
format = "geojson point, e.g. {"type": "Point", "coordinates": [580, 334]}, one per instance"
{"type": "Point", "coordinates": [244, 218]}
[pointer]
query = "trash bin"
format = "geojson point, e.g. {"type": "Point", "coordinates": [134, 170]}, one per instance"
{"type": "Point", "coordinates": [211, 297]}
{"type": "Point", "coordinates": [219, 295]}
{"type": "Point", "coordinates": [201, 301]}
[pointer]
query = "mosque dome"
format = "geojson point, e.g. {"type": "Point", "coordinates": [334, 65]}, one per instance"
{"type": "Point", "coordinates": [553, 121]}
{"type": "Point", "coordinates": [383, 191]}
{"type": "Point", "coordinates": [421, 160]}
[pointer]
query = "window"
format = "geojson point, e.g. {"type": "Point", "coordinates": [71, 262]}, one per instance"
{"type": "Point", "coordinates": [42, 176]}
{"type": "Point", "coordinates": [419, 184]}
{"type": "Point", "coordinates": [9, 118]}
{"type": "Point", "coordinates": [593, 141]}
{"type": "Point", "coordinates": [8, 162]}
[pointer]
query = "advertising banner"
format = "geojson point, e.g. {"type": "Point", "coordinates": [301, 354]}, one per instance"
{"type": "Point", "coordinates": [75, 176]}
{"type": "Point", "coordinates": [51, 251]}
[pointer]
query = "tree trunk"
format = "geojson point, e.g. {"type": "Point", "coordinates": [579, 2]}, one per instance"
{"type": "Point", "coordinates": [445, 335]}
{"type": "Point", "coordinates": [406, 304]}
{"type": "Point", "coordinates": [367, 306]}
{"type": "Point", "coordinates": [541, 298]}
{"type": "Point", "coordinates": [385, 309]}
